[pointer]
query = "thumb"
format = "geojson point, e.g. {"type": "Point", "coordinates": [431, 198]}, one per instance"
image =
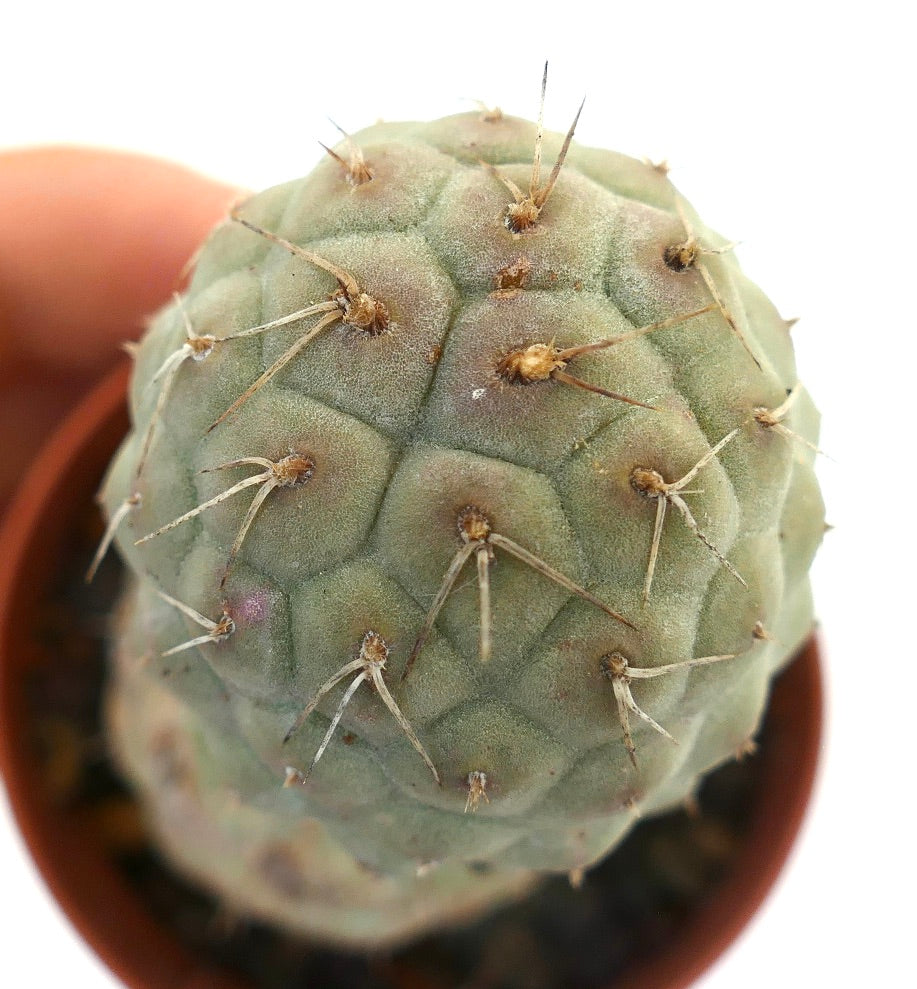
{"type": "Point", "coordinates": [91, 242]}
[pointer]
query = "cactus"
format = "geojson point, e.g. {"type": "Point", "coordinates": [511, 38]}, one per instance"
{"type": "Point", "coordinates": [469, 515]}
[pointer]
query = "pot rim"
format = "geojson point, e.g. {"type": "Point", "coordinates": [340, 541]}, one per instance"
{"type": "Point", "coordinates": [111, 917]}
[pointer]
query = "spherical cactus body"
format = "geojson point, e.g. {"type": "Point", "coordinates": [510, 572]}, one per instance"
{"type": "Point", "coordinates": [469, 505]}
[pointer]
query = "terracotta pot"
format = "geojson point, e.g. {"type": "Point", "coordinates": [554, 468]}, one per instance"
{"type": "Point", "coordinates": [112, 916]}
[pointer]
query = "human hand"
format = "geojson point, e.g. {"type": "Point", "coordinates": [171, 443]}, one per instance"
{"type": "Point", "coordinates": [91, 243]}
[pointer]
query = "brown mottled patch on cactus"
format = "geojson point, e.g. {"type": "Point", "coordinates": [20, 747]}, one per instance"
{"type": "Point", "coordinates": [512, 278]}
{"type": "Point", "coordinates": [531, 497]}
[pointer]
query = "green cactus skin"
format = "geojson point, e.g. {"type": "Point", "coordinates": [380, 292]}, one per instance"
{"type": "Point", "coordinates": [523, 550]}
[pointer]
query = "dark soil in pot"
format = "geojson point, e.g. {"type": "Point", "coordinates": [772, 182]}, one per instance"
{"type": "Point", "coordinates": [654, 914]}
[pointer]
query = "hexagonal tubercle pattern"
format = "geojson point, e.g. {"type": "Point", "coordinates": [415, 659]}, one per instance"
{"type": "Point", "coordinates": [522, 449]}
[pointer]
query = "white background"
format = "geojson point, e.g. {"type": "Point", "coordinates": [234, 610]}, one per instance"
{"type": "Point", "coordinates": [787, 125]}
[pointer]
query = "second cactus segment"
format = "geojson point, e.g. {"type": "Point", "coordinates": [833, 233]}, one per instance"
{"type": "Point", "coordinates": [470, 512]}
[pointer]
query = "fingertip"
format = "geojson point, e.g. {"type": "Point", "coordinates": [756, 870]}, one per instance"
{"type": "Point", "coordinates": [91, 243]}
